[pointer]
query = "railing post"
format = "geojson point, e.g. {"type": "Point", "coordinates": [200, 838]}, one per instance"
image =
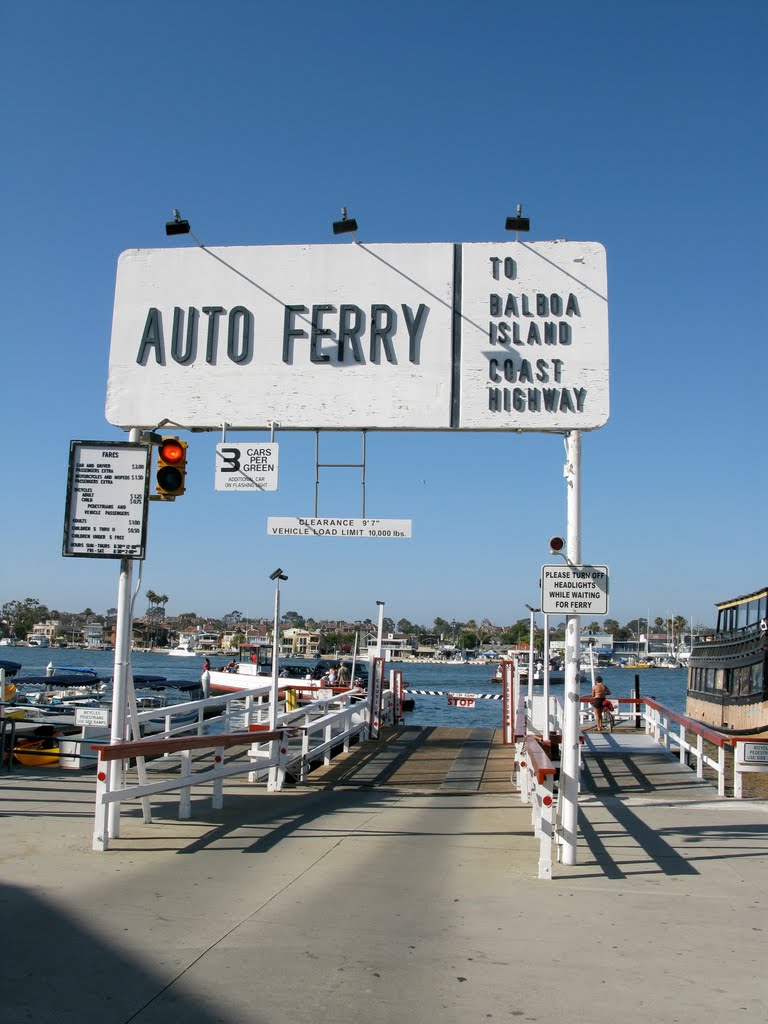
{"type": "Point", "coordinates": [101, 813]}
{"type": "Point", "coordinates": [185, 793]}
{"type": "Point", "coordinates": [721, 771]}
{"type": "Point", "coordinates": [738, 776]}
{"type": "Point", "coordinates": [545, 829]}
{"type": "Point", "coordinates": [327, 737]}
{"type": "Point", "coordinates": [217, 800]}
{"type": "Point", "coordinates": [304, 770]}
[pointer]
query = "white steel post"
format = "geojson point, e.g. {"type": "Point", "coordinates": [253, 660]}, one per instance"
{"type": "Point", "coordinates": [532, 633]}
{"type": "Point", "coordinates": [120, 682]}
{"type": "Point", "coordinates": [545, 729]}
{"type": "Point", "coordinates": [275, 777]}
{"type": "Point", "coordinates": [380, 628]}
{"type": "Point", "coordinates": [569, 778]}
{"type": "Point", "coordinates": [275, 658]}
{"type": "Point", "coordinates": [121, 674]}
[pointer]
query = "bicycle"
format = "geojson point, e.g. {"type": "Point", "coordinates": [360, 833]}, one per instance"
{"type": "Point", "coordinates": [607, 721]}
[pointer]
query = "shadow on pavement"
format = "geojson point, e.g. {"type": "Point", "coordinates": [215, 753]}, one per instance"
{"type": "Point", "coordinates": [56, 969]}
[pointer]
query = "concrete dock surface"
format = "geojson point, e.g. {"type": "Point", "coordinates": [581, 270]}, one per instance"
{"type": "Point", "coordinates": [397, 884]}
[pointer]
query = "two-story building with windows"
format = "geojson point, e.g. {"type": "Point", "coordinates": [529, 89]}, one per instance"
{"type": "Point", "coordinates": [300, 643]}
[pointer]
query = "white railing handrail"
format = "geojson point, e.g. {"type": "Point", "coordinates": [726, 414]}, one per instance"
{"type": "Point", "coordinates": [267, 751]}
{"type": "Point", "coordinates": [535, 779]}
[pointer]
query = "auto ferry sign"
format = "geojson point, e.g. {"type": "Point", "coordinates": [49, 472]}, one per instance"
{"type": "Point", "coordinates": [481, 336]}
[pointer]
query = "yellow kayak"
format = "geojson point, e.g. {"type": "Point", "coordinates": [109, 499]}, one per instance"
{"type": "Point", "coordinates": [35, 753]}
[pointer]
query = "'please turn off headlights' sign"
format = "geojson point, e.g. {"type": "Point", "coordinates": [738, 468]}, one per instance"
{"type": "Point", "coordinates": [481, 336]}
{"type": "Point", "coordinates": [574, 589]}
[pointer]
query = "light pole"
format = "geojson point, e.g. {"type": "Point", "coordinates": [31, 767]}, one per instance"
{"type": "Point", "coordinates": [380, 628]}
{"type": "Point", "coordinates": [277, 575]}
{"type": "Point", "coordinates": [530, 654]}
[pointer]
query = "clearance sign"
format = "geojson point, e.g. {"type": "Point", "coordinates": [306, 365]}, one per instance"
{"type": "Point", "coordinates": [481, 336]}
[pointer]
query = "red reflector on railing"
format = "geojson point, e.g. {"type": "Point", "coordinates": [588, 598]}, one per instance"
{"type": "Point", "coordinates": [102, 776]}
{"type": "Point", "coordinates": [523, 764]}
{"type": "Point", "coordinates": [547, 800]}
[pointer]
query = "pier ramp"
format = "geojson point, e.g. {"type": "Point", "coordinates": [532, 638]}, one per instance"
{"type": "Point", "coordinates": [397, 883]}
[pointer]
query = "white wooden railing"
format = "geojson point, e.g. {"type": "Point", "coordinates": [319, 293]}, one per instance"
{"type": "Point", "coordinates": [321, 726]}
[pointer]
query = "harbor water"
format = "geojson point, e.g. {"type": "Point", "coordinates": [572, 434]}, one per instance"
{"type": "Point", "coordinates": [666, 685]}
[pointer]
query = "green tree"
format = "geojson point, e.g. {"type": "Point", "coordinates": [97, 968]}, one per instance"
{"type": "Point", "coordinates": [637, 626]}
{"type": "Point", "coordinates": [485, 632]}
{"type": "Point", "coordinates": [21, 616]}
{"type": "Point", "coordinates": [518, 633]}
{"type": "Point", "coordinates": [293, 619]}
{"type": "Point", "coordinates": [468, 639]}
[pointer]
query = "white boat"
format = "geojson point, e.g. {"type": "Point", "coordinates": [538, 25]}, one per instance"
{"type": "Point", "coordinates": [185, 648]}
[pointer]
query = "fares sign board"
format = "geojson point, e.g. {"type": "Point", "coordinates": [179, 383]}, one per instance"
{"type": "Point", "coordinates": [107, 495]}
{"type": "Point", "coordinates": [479, 336]}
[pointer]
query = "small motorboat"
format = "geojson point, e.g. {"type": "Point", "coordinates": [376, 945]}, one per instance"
{"type": "Point", "coordinates": [184, 649]}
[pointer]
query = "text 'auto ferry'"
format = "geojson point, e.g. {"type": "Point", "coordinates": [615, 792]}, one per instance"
{"type": "Point", "coordinates": [727, 672]}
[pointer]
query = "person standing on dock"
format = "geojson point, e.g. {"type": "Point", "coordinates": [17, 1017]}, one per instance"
{"type": "Point", "coordinates": [599, 692]}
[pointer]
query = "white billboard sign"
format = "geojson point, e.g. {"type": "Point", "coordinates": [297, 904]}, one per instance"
{"type": "Point", "coordinates": [574, 589]}
{"type": "Point", "coordinates": [246, 467]}
{"type": "Point", "coordinates": [534, 346]}
{"type": "Point", "coordinates": [107, 495]}
{"type": "Point", "coordinates": [314, 527]}
{"type": "Point", "coordinates": [350, 336]}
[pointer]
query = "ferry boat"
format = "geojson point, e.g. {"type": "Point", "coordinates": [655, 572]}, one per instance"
{"type": "Point", "coordinates": [728, 671]}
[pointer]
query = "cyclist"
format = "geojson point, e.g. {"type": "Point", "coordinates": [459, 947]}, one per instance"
{"type": "Point", "coordinates": [599, 693]}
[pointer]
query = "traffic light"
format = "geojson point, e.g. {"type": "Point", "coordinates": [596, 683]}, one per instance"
{"type": "Point", "coordinates": [171, 468]}
{"type": "Point", "coordinates": [556, 545]}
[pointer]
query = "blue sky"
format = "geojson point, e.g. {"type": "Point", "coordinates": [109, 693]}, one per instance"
{"type": "Point", "coordinates": [639, 126]}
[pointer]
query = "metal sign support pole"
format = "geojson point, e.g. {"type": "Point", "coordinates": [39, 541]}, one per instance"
{"type": "Point", "coordinates": [273, 780]}
{"type": "Point", "coordinates": [545, 726]}
{"type": "Point", "coordinates": [569, 780]}
{"type": "Point", "coordinates": [121, 673]}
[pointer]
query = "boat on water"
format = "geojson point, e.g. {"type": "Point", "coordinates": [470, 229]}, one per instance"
{"type": "Point", "coordinates": [184, 649]}
{"type": "Point", "coordinates": [728, 670]}
{"type": "Point", "coordinates": [254, 668]}
{"type": "Point", "coordinates": [38, 640]}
